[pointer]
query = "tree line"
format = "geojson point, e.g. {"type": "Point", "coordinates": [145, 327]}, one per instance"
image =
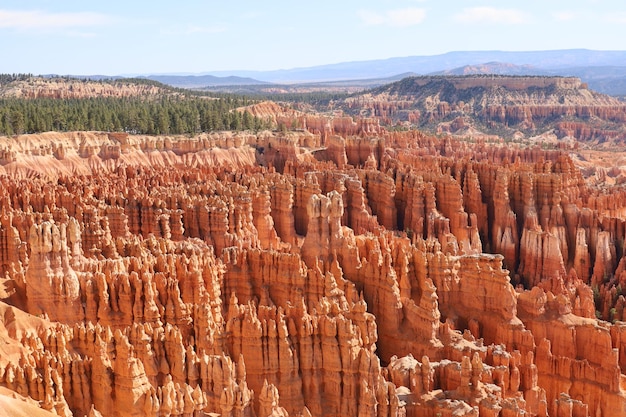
{"type": "Point", "coordinates": [9, 78]}
{"type": "Point", "coordinates": [164, 115]}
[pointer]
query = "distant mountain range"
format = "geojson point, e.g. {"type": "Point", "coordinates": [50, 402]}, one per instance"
{"type": "Point", "coordinates": [604, 79]}
{"type": "Point", "coordinates": [499, 68]}
{"type": "Point", "coordinates": [604, 71]}
{"type": "Point", "coordinates": [383, 68]}
{"type": "Point", "coordinates": [200, 81]}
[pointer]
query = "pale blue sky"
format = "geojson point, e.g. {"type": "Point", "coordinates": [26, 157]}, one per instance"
{"type": "Point", "coordinates": [147, 37]}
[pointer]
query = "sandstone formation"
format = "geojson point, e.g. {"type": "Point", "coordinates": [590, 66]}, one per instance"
{"type": "Point", "coordinates": [55, 88]}
{"type": "Point", "coordinates": [286, 117]}
{"type": "Point", "coordinates": [513, 106]}
{"type": "Point", "coordinates": [339, 271]}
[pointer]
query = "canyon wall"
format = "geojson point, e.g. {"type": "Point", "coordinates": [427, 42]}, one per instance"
{"type": "Point", "coordinates": [509, 82]}
{"type": "Point", "coordinates": [306, 274]}
{"type": "Point", "coordinates": [503, 106]}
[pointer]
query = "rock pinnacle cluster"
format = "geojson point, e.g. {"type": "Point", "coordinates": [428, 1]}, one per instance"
{"type": "Point", "coordinates": [337, 270]}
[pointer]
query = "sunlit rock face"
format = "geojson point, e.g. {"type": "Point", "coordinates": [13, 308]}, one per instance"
{"type": "Point", "coordinates": [337, 273]}
{"type": "Point", "coordinates": [496, 105]}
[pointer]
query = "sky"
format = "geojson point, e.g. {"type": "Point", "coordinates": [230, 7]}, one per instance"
{"type": "Point", "coordinates": [133, 37]}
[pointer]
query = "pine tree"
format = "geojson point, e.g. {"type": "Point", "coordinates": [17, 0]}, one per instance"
{"type": "Point", "coordinates": [247, 121]}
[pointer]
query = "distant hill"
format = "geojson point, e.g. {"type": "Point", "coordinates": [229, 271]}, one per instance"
{"type": "Point", "coordinates": [613, 86]}
{"type": "Point", "coordinates": [603, 79]}
{"type": "Point", "coordinates": [383, 68]}
{"type": "Point", "coordinates": [499, 68]}
{"type": "Point", "coordinates": [494, 104]}
{"type": "Point", "coordinates": [80, 88]}
{"type": "Point", "coordinates": [200, 81]}
{"type": "Point", "coordinates": [604, 71]}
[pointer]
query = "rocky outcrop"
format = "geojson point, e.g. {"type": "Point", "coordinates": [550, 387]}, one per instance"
{"type": "Point", "coordinates": [511, 105]}
{"type": "Point", "coordinates": [39, 87]}
{"type": "Point", "coordinates": [52, 286]}
{"type": "Point", "coordinates": [401, 275]}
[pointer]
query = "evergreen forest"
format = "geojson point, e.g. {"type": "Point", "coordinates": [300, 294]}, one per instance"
{"type": "Point", "coordinates": [173, 112]}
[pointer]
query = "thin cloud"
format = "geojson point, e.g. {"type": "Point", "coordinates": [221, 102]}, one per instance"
{"type": "Point", "coordinates": [619, 17]}
{"type": "Point", "coordinates": [252, 15]}
{"type": "Point", "coordinates": [192, 30]}
{"type": "Point", "coordinates": [205, 29]}
{"type": "Point", "coordinates": [409, 16]}
{"type": "Point", "coordinates": [491, 15]}
{"type": "Point", "coordinates": [41, 20]}
{"type": "Point", "coordinates": [77, 34]}
{"type": "Point", "coordinates": [564, 16]}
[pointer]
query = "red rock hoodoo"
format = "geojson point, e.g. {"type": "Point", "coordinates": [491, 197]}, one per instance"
{"type": "Point", "coordinates": [344, 271]}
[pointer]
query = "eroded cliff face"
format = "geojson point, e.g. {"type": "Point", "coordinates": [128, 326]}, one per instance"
{"type": "Point", "coordinates": [305, 274]}
{"type": "Point", "coordinates": [38, 87]}
{"type": "Point", "coordinates": [510, 106]}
